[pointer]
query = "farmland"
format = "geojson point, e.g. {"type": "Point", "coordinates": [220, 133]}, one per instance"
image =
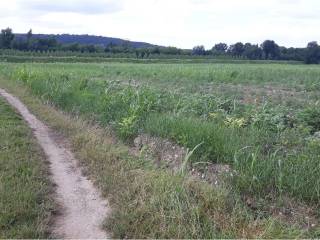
{"type": "Point", "coordinates": [260, 119]}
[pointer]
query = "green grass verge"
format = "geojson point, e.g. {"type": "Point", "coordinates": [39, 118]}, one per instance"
{"type": "Point", "coordinates": [25, 204]}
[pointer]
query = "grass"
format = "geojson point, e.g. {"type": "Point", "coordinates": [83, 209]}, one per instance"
{"type": "Point", "coordinates": [190, 75]}
{"type": "Point", "coordinates": [219, 142]}
{"type": "Point", "coordinates": [266, 138]}
{"type": "Point", "coordinates": [224, 125]}
{"type": "Point", "coordinates": [149, 202]}
{"type": "Point", "coordinates": [25, 204]}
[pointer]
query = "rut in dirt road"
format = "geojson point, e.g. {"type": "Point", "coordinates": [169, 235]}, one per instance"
{"type": "Point", "coordinates": [83, 209]}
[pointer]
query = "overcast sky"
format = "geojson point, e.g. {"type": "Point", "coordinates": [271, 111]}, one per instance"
{"type": "Point", "coordinates": [181, 23]}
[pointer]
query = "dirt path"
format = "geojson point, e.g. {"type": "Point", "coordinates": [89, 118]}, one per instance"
{"type": "Point", "coordinates": [83, 209]}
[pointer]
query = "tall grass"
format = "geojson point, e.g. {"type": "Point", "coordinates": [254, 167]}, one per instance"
{"type": "Point", "coordinates": [149, 203]}
{"type": "Point", "coordinates": [224, 126]}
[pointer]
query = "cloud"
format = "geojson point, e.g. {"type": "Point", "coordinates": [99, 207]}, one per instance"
{"type": "Point", "coordinates": [71, 6]}
{"type": "Point", "coordinates": [181, 23]}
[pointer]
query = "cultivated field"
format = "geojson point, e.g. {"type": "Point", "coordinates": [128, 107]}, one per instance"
{"type": "Point", "coordinates": [261, 122]}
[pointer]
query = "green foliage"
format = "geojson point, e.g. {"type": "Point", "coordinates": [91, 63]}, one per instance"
{"type": "Point", "coordinates": [127, 126]}
{"type": "Point", "coordinates": [93, 45]}
{"type": "Point", "coordinates": [271, 49]}
{"type": "Point", "coordinates": [274, 119]}
{"type": "Point", "coordinates": [219, 142]}
{"type": "Point", "coordinates": [310, 116]}
{"type": "Point", "coordinates": [292, 174]}
{"type": "Point", "coordinates": [312, 55]}
{"type": "Point", "coordinates": [6, 38]}
{"type": "Point", "coordinates": [180, 102]}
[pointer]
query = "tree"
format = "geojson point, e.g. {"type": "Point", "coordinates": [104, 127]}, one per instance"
{"type": "Point", "coordinates": [155, 50]}
{"type": "Point", "coordinates": [6, 38]}
{"type": "Point", "coordinates": [271, 49]}
{"type": "Point", "coordinates": [29, 35]}
{"type": "Point", "coordinates": [74, 47]}
{"type": "Point", "coordinates": [143, 53]}
{"type": "Point", "coordinates": [297, 54]}
{"type": "Point", "coordinates": [110, 47]}
{"type": "Point", "coordinates": [45, 44]}
{"type": "Point", "coordinates": [220, 48]}
{"type": "Point", "coordinates": [147, 53]}
{"type": "Point", "coordinates": [252, 51]}
{"type": "Point", "coordinates": [137, 54]}
{"type": "Point", "coordinates": [90, 48]}
{"type": "Point", "coordinates": [20, 44]}
{"type": "Point", "coordinates": [237, 49]}
{"type": "Point", "coordinates": [171, 50]}
{"type": "Point", "coordinates": [126, 46]}
{"type": "Point", "coordinates": [312, 53]}
{"type": "Point", "coordinates": [198, 50]}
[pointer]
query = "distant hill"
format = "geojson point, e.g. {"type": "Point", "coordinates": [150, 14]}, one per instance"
{"type": "Point", "coordinates": [87, 39]}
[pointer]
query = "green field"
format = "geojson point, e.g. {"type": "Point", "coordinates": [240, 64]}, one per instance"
{"type": "Point", "coordinates": [260, 119]}
{"type": "Point", "coordinates": [25, 207]}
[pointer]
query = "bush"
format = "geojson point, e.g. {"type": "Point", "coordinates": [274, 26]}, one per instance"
{"type": "Point", "coordinates": [311, 117]}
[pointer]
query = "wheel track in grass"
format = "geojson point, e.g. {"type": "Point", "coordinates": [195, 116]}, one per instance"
{"type": "Point", "coordinates": [82, 209]}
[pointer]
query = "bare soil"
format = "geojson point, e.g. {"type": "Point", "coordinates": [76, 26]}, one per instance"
{"type": "Point", "coordinates": [169, 155]}
{"type": "Point", "coordinates": [82, 207]}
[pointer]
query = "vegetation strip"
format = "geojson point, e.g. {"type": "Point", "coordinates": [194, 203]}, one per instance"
{"type": "Point", "coordinates": [103, 47]}
{"type": "Point", "coordinates": [26, 203]}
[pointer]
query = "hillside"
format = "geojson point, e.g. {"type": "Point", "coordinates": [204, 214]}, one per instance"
{"type": "Point", "coordinates": [88, 39]}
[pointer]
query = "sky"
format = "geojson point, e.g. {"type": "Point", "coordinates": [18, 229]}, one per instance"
{"type": "Point", "coordinates": [180, 23]}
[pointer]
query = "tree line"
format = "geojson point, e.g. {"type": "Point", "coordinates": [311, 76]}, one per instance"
{"type": "Point", "coordinates": [268, 50]}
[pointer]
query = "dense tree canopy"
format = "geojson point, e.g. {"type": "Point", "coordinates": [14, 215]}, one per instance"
{"type": "Point", "coordinates": [270, 49]}
{"type": "Point", "coordinates": [220, 48]}
{"type": "Point", "coordinates": [312, 53]}
{"type": "Point", "coordinates": [199, 50]}
{"type": "Point", "coordinates": [6, 38]}
{"type": "Point", "coordinates": [236, 49]}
